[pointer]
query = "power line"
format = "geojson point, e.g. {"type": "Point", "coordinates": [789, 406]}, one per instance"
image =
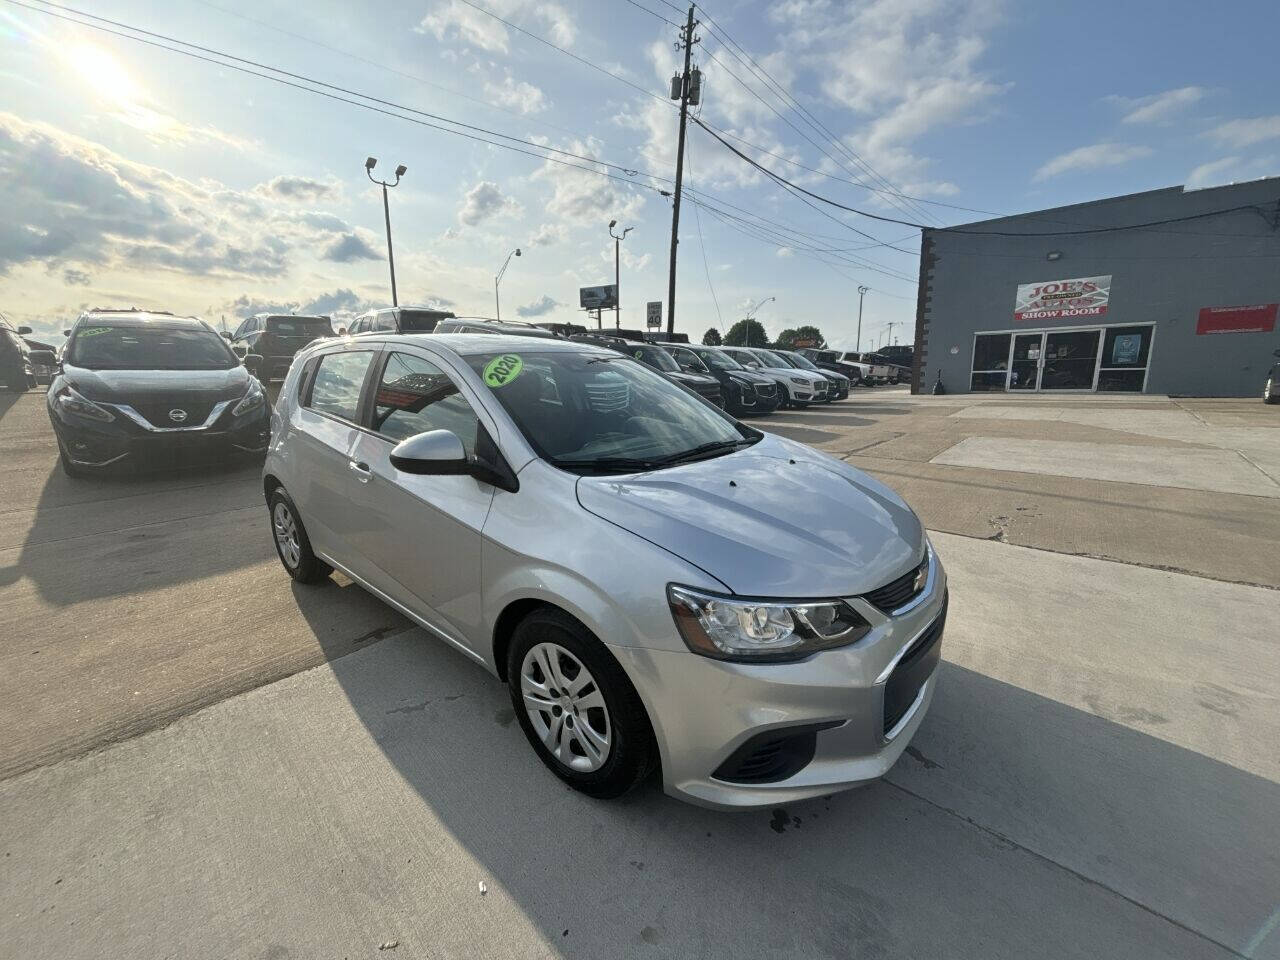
{"type": "Point", "coordinates": [653, 14]}
{"type": "Point", "coordinates": [697, 216]}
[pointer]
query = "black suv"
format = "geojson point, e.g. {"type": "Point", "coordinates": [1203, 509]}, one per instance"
{"type": "Point", "coordinates": [1271, 389]}
{"type": "Point", "coordinates": [16, 370]}
{"type": "Point", "coordinates": [277, 337]}
{"type": "Point", "coordinates": [398, 320]}
{"type": "Point", "coordinates": [743, 390]}
{"type": "Point", "coordinates": [143, 386]}
{"type": "Point", "coordinates": [704, 385]}
{"type": "Point", "coordinates": [839, 388]}
{"type": "Point", "coordinates": [830, 360]}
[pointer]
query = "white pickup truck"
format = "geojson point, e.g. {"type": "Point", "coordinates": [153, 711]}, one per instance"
{"type": "Point", "coordinates": [876, 370]}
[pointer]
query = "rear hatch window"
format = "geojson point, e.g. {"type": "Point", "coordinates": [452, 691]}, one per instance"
{"type": "Point", "coordinates": [421, 321]}
{"type": "Point", "coordinates": [294, 333]}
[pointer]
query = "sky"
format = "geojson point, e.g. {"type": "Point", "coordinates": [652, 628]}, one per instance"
{"type": "Point", "coordinates": [134, 176]}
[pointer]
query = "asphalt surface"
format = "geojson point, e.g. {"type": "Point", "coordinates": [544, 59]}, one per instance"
{"type": "Point", "coordinates": [1097, 777]}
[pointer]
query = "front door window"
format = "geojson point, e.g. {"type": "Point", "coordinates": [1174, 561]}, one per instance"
{"type": "Point", "coordinates": [1025, 369]}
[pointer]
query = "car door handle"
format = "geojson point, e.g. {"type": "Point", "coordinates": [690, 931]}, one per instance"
{"type": "Point", "coordinates": [361, 470]}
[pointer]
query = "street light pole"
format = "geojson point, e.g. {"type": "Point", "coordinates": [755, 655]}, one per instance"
{"type": "Point", "coordinates": [369, 164]}
{"type": "Point", "coordinates": [862, 292]}
{"type": "Point", "coordinates": [617, 278]}
{"type": "Point", "coordinates": [497, 305]}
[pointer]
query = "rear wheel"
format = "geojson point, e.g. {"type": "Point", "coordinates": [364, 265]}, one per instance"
{"type": "Point", "coordinates": [292, 545]}
{"type": "Point", "coordinates": [575, 704]}
{"type": "Point", "coordinates": [1269, 391]}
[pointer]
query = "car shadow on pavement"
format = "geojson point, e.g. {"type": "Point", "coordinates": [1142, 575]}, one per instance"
{"type": "Point", "coordinates": [1015, 826]}
{"type": "Point", "coordinates": [7, 400]}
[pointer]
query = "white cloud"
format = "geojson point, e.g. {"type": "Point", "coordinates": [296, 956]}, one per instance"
{"type": "Point", "coordinates": [1157, 107]}
{"type": "Point", "coordinates": [299, 189]}
{"type": "Point", "coordinates": [579, 197]}
{"type": "Point", "coordinates": [452, 20]}
{"type": "Point", "coordinates": [1245, 132]}
{"type": "Point", "coordinates": [540, 307]}
{"type": "Point", "coordinates": [351, 247]}
{"type": "Point", "coordinates": [483, 202]}
{"type": "Point", "coordinates": [784, 253]}
{"type": "Point", "coordinates": [1211, 174]}
{"type": "Point", "coordinates": [559, 22]}
{"type": "Point", "coordinates": [548, 235]}
{"type": "Point", "coordinates": [516, 95]}
{"type": "Point", "coordinates": [1093, 157]}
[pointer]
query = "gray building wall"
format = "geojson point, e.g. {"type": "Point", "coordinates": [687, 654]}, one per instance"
{"type": "Point", "coordinates": [1161, 275]}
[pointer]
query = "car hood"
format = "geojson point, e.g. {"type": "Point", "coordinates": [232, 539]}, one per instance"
{"type": "Point", "coordinates": [125, 386]}
{"type": "Point", "coordinates": [750, 376]}
{"type": "Point", "coordinates": [808, 375]}
{"type": "Point", "coordinates": [775, 520]}
{"type": "Point", "coordinates": [691, 380]}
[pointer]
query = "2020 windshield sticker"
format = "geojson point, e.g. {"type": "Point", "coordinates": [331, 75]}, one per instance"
{"type": "Point", "coordinates": [92, 331]}
{"type": "Point", "coordinates": [501, 370]}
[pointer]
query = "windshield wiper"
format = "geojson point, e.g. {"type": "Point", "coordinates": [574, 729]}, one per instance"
{"type": "Point", "coordinates": [702, 451]}
{"type": "Point", "coordinates": [607, 464]}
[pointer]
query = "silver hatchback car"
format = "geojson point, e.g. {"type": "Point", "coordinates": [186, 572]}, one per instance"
{"type": "Point", "coordinates": [659, 585]}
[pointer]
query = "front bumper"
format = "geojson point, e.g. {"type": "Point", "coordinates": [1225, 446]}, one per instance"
{"type": "Point", "coordinates": [703, 711]}
{"type": "Point", "coordinates": [129, 438]}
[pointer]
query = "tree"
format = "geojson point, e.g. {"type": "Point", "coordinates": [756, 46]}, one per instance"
{"type": "Point", "coordinates": [746, 333]}
{"type": "Point", "coordinates": [786, 338]}
{"type": "Point", "coordinates": [806, 336]}
{"type": "Point", "coordinates": [712, 337]}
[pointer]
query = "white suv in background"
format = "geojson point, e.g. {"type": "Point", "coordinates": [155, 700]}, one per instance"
{"type": "Point", "coordinates": [799, 387]}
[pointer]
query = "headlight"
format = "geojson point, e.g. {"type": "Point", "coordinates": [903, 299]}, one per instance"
{"type": "Point", "coordinates": [726, 628]}
{"type": "Point", "coordinates": [801, 380]}
{"type": "Point", "coordinates": [68, 401]}
{"type": "Point", "coordinates": [252, 399]}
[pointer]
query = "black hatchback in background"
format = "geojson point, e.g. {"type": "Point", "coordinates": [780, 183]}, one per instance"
{"type": "Point", "coordinates": [153, 388]}
{"type": "Point", "coordinates": [704, 385]}
{"type": "Point", "coordinates": [277, 337]}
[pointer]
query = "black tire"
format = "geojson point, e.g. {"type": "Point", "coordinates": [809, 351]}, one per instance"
{"type": "Point", "coordinates": [1271, 391]}
{"type": "Point", "coordinates": [308, 568]}
{"type": "Point", "coordinates": [632, 752]}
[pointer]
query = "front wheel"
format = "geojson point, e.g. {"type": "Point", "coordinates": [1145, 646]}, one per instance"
{"type": "Point", "coordinates": [1269, 393]}
{"type": "Point", "coordinates": [576, 706]}
{"type": "Point", "coordinates": [293, 547]}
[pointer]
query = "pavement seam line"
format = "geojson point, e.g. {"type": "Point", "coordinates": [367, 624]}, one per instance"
{"type": "Point", "coordinates": [997, 835]}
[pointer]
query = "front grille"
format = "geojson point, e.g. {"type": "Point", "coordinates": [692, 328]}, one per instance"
{"type": "Point", "coordinates": [766, 389]}
{"type": "Point", "coordinates": [156, 411]}
{"type": "Point", "coordinates": [608, 397]}
{"type": "Point", "coordinates": [901, 591]}
{"type": "Point", "coordinates": [917, 666]}
{"type": "Point", "coordinates": [820, 387]}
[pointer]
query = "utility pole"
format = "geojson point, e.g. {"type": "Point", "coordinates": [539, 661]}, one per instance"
{"type": "Point", "coordinates": [369, 164]}
{"type": "Point", "coordinates": [687, 40]}
{"type": "Point", "coordinates": [888, 330]}
{"type": "Point", "coordinates": [617, 276]}
{"type": "Point", "coordinates": [862, 292]}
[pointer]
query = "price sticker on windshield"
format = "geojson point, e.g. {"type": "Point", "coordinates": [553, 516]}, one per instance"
{"type": "Point", "coordinates": [500, 371]}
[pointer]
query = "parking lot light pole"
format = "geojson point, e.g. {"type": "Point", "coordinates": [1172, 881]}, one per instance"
{"type": "Point", "coordinates": [497, 304]}
{"type": "Point", "coordinates": [369, 164]}
{"type": "Point", "coordinates": [751, 315]}
{"type": "Point", "coordinates": [862, 292]}
{"type": "Point", "coordinates": [617, 280]}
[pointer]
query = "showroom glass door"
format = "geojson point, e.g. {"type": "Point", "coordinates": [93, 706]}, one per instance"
{"type": "Point", "coordinates": [1070, 359]}
{"type": "Point", "coordinates": [1024, 369]}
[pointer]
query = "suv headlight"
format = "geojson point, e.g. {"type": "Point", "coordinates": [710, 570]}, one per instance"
{"type": "Point", "coordinates": [801, 380]}
{"type": "Point", "coordinates": [727, 628]}
{"type": "Point", "coordinates": [68, 401]}
{"type": "Point", "coordinates": [253, 398]}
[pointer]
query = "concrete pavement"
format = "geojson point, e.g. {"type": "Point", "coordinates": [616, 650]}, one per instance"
{"type": "Point", "coordinates": [1074, 793]}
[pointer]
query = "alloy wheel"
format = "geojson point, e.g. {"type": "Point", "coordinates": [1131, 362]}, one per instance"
{"type": "Point", "coordinates": [286, 531]}
{"type": "Point", "coordinates": [566, 707]}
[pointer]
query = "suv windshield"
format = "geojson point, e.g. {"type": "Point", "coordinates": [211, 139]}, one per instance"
{"type": "Point", "coordinates": [299, 326]}
{"type": "Point", "coordinates": [101, 346]}
{"type": "Point", "coordinates": [655, 357]}
{"type": "Point", "coordinates": [717, 359]}
{"type": "Point", "coordinates": [798, 360]}
{"type": "Point", "coordinates": [770, 359]}
{"type": "Point", "coordinates": [594, 413]}
{"type": "Point", "coordinates": [421, 321]}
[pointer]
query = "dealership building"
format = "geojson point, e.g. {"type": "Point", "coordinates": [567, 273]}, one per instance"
{"type": "Point", "coordinates": [1171, 291]}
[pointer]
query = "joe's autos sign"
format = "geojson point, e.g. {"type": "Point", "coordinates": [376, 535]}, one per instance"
{"type": "Point", "coordinates": [1056, 299]}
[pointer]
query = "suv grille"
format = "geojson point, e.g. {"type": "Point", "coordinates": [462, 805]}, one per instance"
{"type": "Point", "coordinates": [902, 591]}
{"type": "Point", "coordinates": [917, 666]}
{"type": "Point", "coordinates": [765, 389]}
{"type": "Point", "coordinates": [156, 412]}
{"type": "Point", "coordinates": [608, 397]}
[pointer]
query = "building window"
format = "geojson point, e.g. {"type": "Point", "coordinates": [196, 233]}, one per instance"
{"type": "Point", "coordinates": [1123, 366]}
{"type": "Point", "coordinates": [990, 362]}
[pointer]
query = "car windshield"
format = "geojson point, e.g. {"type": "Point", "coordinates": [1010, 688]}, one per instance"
{"type": "Point", "coordinates": [605, 413]}
{"type": "Point", "coordinates": [102, 346]}
{"type": "Point", "coordinates": [828, 356]}
{"type": "Point", "coordinates": [655, 357]}
{"type": "Point", "coordinates": [798, 360]}
{"type": "Point", "coordinates": [770, 359]}
{"type": "Point", "coordinates": [717, 359]}
{"type": "Point", "coordinates": [421, 321]}
{"type": "Point", "coordinates": [300, 326]}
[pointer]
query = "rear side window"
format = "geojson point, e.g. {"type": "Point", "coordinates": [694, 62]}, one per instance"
{"type": "Point", "coordinates": [414, 396]}
{"type": "Point", "coordinates": [338, 382]}
{"type": "Point", "coordinates": [386, 321]}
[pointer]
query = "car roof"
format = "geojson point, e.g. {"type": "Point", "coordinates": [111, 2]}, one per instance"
{"type": "Point", "coordinates": [141, 318]}
{"type": "Point", "coordinates": [470, 344]}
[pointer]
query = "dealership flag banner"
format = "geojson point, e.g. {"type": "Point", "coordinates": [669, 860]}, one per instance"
{"type": "Point", "coordinates": [1056, 299]}
{"type": "Point", "coordinates": [1256, 318]}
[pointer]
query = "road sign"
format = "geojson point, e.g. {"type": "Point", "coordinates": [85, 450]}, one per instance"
{"type": "Point", "coordinates": [653, 313]}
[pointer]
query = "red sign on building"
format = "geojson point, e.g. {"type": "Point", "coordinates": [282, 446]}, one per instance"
{"type": "Point", "coordinates": [1258, 318]}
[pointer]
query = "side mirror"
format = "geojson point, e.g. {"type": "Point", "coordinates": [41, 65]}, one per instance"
{"type": "Point", "coordinates": [253, 363]}
{"type": "Point", "coordinates": [23, 331]}
{"type": "Point", "coordinates": [46, 358]}
{"type": "Point", "coordinates": [436, 452]}
{"type": "Point", "coordinates": [66, 332]}
{"type": "Point", "coordinates": [226, 335]}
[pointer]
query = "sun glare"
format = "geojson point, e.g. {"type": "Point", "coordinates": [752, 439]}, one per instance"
{"type": "Point", "coordinates": [104, 74]}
